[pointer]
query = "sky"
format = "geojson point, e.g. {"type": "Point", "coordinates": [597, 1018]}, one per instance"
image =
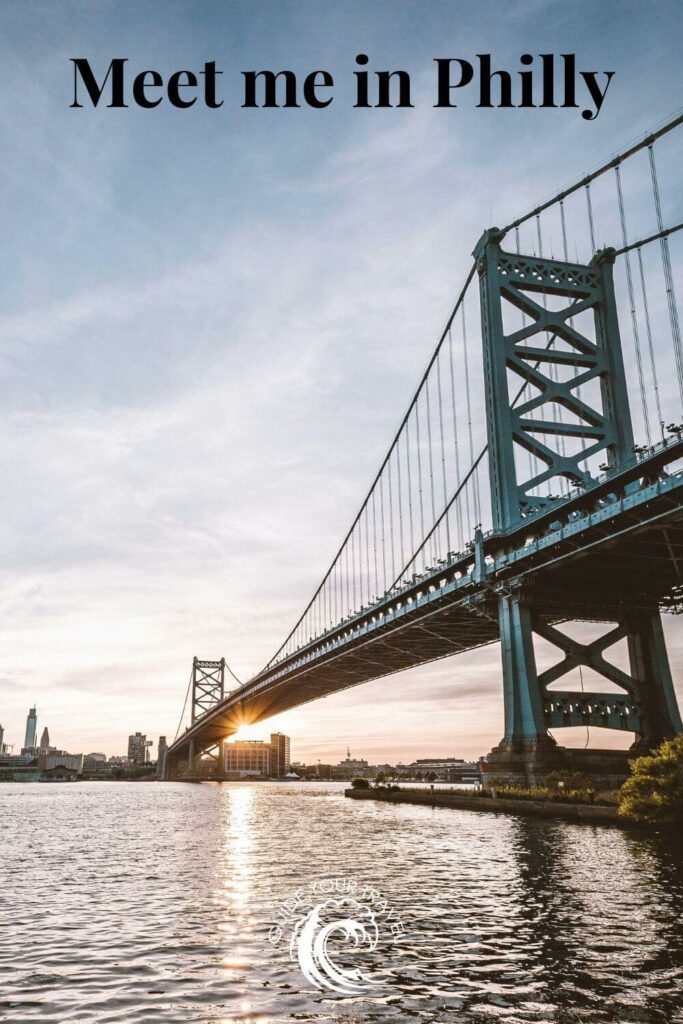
{"type": "Point", "coordinates": [213, 321]}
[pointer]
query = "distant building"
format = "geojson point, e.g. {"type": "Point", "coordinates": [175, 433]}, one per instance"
{"type": "Point", "coordinates": [137, 748]}
{"type": "Point", "coordinates": [312, 771]}
{"type": "Point", "coordinates": [2, 745]}
{"type": "Point", "coordinates": [280, 761]}
{"type": "Point", "coordinates": [448, 769]}
{"type": "Point", "coordinates": [31, 729]}
{"type": "Point", "coordinates": [45, 741]}
{"type": "Point", "coordinates": [18, 768]}
{"type": "Point", "coordinates": [96, 765]}
{"type": "Point", "coordinates": [161, 756]}
{"type": "Point", "coordinates": [351, 767]}
{"type": "Point", "coordinates": [60, 759]}
{"type": "Point", "coordinates": [246, 758]}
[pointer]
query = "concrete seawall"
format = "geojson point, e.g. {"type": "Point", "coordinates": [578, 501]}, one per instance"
{"type": "Point", "coordinates": [594, 814]}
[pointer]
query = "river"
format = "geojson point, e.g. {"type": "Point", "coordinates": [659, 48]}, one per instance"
{"type": "Point", "coordinates": [149, 902]}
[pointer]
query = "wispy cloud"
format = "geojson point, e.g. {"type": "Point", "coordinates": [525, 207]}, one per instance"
{"type": "Point", "coordinates": [213, 327]}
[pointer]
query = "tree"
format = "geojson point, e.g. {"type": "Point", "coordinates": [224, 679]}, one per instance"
{"type": "Point", "coordinates": [654, 792]}
{"type": "Point", "coordinates": [360, 784]}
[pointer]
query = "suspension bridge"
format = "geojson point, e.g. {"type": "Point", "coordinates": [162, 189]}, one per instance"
{"type": "Point", "coordinates": [562, 502]}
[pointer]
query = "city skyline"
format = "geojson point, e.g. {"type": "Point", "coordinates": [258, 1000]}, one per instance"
{"type": "Point", "coordinates": [249, 733]}
{"type": "Point", "coordinates": [206, 363]}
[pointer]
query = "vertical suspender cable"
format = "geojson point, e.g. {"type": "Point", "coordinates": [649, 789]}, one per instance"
{"type": "Point", "coordinates": [391, 521]}
{"type": "Point", "coordinates": [458, 504]}
{"type": "Point", "coordinates": [374, 543]}
{"type": "Point", "coordinates": [443, 452]}
{"type": "Point", "coordinates": [431, 465]}
{"type": "Point", "coordinates": [353, 576]}
{"type": "Point", "coordinates": [632, 301]}
{"type": "Point", "coordinates": [384, 546]}
{"type": "Point", "coordinates": [475, 488]}
{"type": "Point", "coordinates": [410, 487]}
{"type": "Point", "coordinates": [591, 226]}
{"type": "Point", "coordinates": [367, 555]}
{"type": "Point", "coordinates": [400, 500]}
{"type": "Point", "coordinates": [359, 603]}
{"type": "Point", "coordinates": [359, 598]}
{"type": "Point", "coordinates": [648, 331]}
{"type": "Point", "coordinates": [419, 475]}
{"type": "Point", "coordinates": [348, 588]}
{"type": "Point", "coordinates": [668, 277]}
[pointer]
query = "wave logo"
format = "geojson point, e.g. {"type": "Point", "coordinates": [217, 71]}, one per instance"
{"type": "Point", "coordinates": [332, 924]}
{"type": "Point", "coordinates": [353, 923]}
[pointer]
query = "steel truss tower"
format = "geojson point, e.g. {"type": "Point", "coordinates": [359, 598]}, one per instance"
{"type": "Point", "coordinates": [579, 373]}
{"type": "Point", "coordinates": [208, 688]}
{"type": "Point", "coordinates": [208, 685]}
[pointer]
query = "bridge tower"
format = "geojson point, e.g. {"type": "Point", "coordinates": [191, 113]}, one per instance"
{"type": "Point", "coordinates": [567, 356]}
{"type": "Point", "coordinates": [208, 685]}
{"type": "Point", "coordinates": [208, 688]}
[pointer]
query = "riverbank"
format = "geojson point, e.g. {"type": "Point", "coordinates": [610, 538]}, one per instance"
{"type": "Point", "coordinates": [591, 813]}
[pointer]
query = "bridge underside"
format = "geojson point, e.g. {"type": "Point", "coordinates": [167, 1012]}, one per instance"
{"type": "Point", "coordinates": [598, 568]}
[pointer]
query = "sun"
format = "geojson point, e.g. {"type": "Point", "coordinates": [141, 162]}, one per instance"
{"type": "Point", "coordinates": [248, 732]}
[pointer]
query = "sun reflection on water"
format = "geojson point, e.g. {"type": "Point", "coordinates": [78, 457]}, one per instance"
{"type": "Point", "coordinates": [238, 850]}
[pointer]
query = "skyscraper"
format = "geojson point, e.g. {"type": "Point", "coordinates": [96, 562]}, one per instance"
{"type": "Point", "coordinates": [137, 748]}
{"type": "Point", "coordinates": [279, 754]}
{"type": "Point", "coordinates": [161, 756]}
{"type": "Point", "coordinates": [45, 741]}
{"type": "Point", "coordinates": [2, 733]}
{"type": "Point", "coordinates": [31, 729]}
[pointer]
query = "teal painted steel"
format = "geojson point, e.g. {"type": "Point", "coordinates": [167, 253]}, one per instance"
{"type": "Point", "coordinates": [517, 280]}
{"type": "Point", "coordinates": [647, 705]}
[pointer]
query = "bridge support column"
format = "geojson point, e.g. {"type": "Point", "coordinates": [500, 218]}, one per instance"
{"type": "Point", "coordinates": [190, 757]}
{"type": "Point", "coordinates": [524, 719]}
{"type": "Point", "coordinates": [526, 751]}
{"type": "Point", "coordinates": [645, 704]}
{"type": "Point", "coordinates": [650, 666]}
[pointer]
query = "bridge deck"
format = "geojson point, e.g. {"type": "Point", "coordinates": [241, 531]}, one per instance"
{"type": "Point", "coordinates": [589, 553]}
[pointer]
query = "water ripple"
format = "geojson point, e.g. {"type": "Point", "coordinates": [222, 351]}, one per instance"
{"type": "Point", "coordinates": [128, 903]}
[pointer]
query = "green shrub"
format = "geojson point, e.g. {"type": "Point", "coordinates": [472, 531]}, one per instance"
{"type": "Point", "coordinates": [654, 792]}
{"type": "Point", "coordinates": [559, 794]}
{"type": "Point", "coordinates": [360, 784]}
{"type": "Point", "coordinates": [569, 780]}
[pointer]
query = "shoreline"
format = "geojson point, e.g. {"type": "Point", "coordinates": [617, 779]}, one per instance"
{"type": "Point", "coordinates": [585, 813]}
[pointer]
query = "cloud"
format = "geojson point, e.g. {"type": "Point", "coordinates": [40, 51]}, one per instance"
{"type": "Point", "coordinates": [213, 329]}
